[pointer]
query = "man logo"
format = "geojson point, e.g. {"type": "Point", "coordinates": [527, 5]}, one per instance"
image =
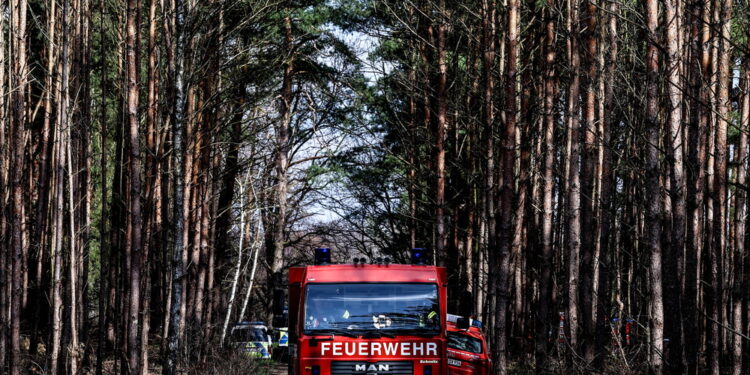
{"type": "Point", "coordinates": [371, 368]}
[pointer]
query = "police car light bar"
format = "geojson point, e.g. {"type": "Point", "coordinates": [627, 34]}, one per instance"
{"type": "Point", "coordinates": [453, 318]}
{"type": "Point", "coordinates": [322, 256]}
{"type": "Point", "coordinates": [246, 323]}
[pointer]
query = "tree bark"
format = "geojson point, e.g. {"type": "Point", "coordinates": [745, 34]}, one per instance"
{"type": "Point", "coordinates": [282, 160]}
{"type": "Point", "coordinates": [152, 245]}
{"type": "Point", "coordinates": [697, 134]}
{"type": "Point", "coordinates": [609, 122]}
{"type": "Point", "coordinates": [236, 278]}
{"type": "Point", "coordinates": [739, 240]}
{"type": "Point", "coordinates": [673, 252]}
{"type": "Point", "coordinates": [589, 160]}
{"type": "Point", "coordinates": [135, 217]}
{"type": "Point", "coordinates": [574, 178]}
{"type": "Point", "coordinates": [544, 316]}
{"type": "Point", "coordinates": [56, 251]}
{"type": "Point", "coordinates": [178, 155]}
{"type": "Point", "coordinates": [66, 160]}
{"type": "Point", "coordinates": [4, 278]}
{"type": "Point", "coordinates": [441, 125]}
{"type": "Point", "coordinates": [506, 193]}
{"type": "Point", "coordinates": [18, 116]}
{"type": "Point", "coordinates": [653, 194]}
{"type": "Point", "coordinates": [490, 188]}
{"type": "Point", "coordinates": [744, 127]}
{"type": "Point", "coordinates": [719, 240]}
{"type": "Point", "coordinates": [104, 249]}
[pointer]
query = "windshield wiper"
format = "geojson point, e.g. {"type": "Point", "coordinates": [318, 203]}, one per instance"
{"type": "Point", "coordinates": [331, 332]}
{"type": "Point", "coordinates": [415, 332]}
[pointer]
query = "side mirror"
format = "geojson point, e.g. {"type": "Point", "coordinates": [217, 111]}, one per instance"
{"type": "Point", "coordinates": [463, 323]}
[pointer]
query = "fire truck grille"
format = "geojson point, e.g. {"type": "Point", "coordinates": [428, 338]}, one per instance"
{"type": "Point", "coordinates": [371, 368]}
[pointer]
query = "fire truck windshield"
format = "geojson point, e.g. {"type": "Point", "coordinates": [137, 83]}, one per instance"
{"type": "Point", "coordinates": [364, 308]}
{"type": "Point", "coordinates": [464, 342]}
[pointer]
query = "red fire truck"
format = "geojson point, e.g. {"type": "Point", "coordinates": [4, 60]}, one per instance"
{"type": "Point", "coordinates": [467, 349]}
{"type": "Point", "coordinates": [368, 318]}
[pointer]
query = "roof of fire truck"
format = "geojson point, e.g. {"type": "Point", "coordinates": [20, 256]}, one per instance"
{"type": "Point", "coordinates": [377, 270]}
{"type": "Point", "coordinates": [368, 273]}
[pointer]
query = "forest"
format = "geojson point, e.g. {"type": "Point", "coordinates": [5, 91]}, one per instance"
{"type": "Point", "coordinates": [579, 166]}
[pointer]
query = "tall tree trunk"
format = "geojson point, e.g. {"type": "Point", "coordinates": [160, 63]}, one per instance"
{"type": "Point", "coordinates": [698, 118]}
{"type": "Point", "coordinates": [739, 239]}
{"type": "Point", "coordinates": [744, 127]}
{"type": "Point", "coordinates": [104, 248]}
{"type": "Point", "coordinates": [673, 252]}
{"type": "Point", "coordinates": [603, 316]}
{"type": "Point", "coordinates": [66, 160]}
{"type": "Point", "coordinates": [653, 193]}
{"type": "Point", "coordinates": [236, 278]}
{"type": "Point", "coordinates": [490, 189]}
{"type": "Point", "coordinates": [18, 116]}
{"type": "Point", "coordinates": [441, 125]}
{"type": "Point", "coordinates": [589, 158]}
{"type": "Point", "coordinates": [85, 182]}
{"type": "Point", "coordinates": [574, 178]}
{"type": "Point", "coordinates": [56, 251]}
{"type": "Point", "coordinates": [256, 245]}
{"type": "Point", "coordinates": [4, 279]}
{"type": "Point", "coordinates": [711, 260]}
{"type": "Point", "coordinates": [719, 240]}
{"type": "Point", "coordinates": [544, 316]}
{"type": "Point", "coordinates": [152, 246]}
{"type": "Point", "coordinates": [39, 234]}
{"type": "Point", "coordinates": [135, 218]}
{"type": "Point", "coordinates": [282, 160]}
{"type": "Point", "coordinates": [506, 193]}
{"type": "Point", "coordinates": [178, 155]}
{"type": "Point", "coordinates": [226, 196]}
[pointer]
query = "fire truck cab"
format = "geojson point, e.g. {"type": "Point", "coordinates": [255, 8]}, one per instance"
{"type": "Point", "coordinates": [467, 348]}
{"type": "Point", "coordinates": [373, 318]}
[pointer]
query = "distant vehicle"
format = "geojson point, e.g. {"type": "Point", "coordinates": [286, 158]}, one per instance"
{"type": "Point", "coordinates": [467, 347]}
{"type": "Point", "coordinates": [252, 338]}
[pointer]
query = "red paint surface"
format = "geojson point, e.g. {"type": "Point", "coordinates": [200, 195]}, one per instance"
{"type": "Point", "coordinates": [471, 363]}
{"type": "Point", "coordinates": [307, 353]}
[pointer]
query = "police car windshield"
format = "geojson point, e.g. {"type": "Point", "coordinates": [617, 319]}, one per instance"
{"type": "Point", "coordinates": [249, 334]}
{"type": "Point", "coordinates": [464, 343]}
{"type": "Point", "coordinates": [391, 308]}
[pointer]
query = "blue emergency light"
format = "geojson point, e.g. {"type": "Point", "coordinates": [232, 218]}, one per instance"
{"type": "Point", "coordinates": [418, 256]}
{"type": "Point", "coordinates": [322, 256]}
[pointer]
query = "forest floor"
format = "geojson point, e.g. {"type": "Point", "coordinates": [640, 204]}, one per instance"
{"type": "Point", "coordinates": [278, 368]}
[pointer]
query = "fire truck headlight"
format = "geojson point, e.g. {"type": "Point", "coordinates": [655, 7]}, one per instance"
{"type": "Point", "coordinates": [316, 370]}
{"type": "Point", "coordinates": [427, 370]}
